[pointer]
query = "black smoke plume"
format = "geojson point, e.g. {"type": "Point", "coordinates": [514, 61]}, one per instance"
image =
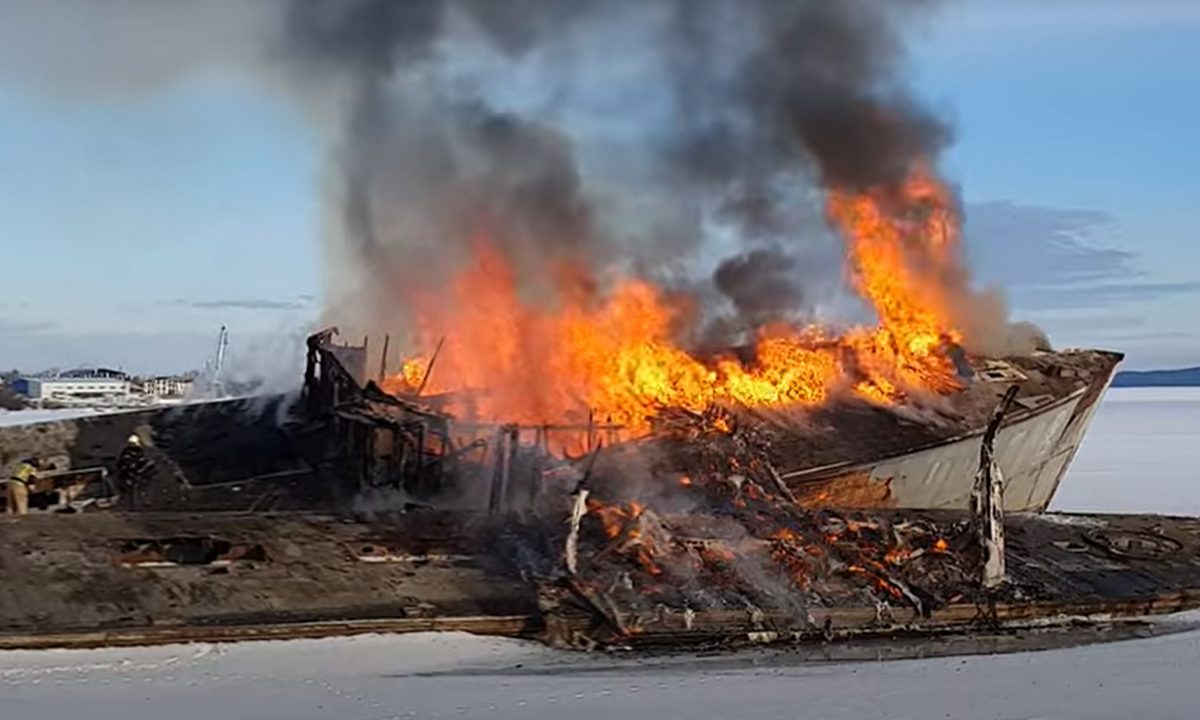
{"type": "Point", "coordinates": [659, 137]}
{"type": "Point", "coordinates": [757, 103]}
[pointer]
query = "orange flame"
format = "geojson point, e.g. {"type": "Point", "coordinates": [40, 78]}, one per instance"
{"type": "Point", "coordinates": [900, 259]}
{"type": "Point", "coordinates": [411, 374]}
{"type": "Point", "coordinates": [784, 534]}
{"type": "Point", "coordinates": [508, 358]}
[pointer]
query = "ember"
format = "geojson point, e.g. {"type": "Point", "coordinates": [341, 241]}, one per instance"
{"type": "Point", "coordinates": [754, 552]}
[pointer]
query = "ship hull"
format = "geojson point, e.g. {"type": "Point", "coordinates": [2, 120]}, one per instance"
{"type": "Point", "coordinates": [258, 454]}
{"type": "Point", "coordinates": [1034, 450]}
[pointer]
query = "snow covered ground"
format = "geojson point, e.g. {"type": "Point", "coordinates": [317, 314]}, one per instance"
{"type": "Point", "coordinates": [458, 676]}
{"type": "Point", "coordinates": [1141, 455]}
{"type": "Point", "coordinates": [41, 415]}
{"type": "Point", "coordinates": [29, 417]}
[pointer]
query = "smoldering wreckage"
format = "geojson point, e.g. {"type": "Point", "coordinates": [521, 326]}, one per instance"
{"type": "Point", "coordinates": [350, 509]}
{"type": "Point", "coordinates": [574, 468]}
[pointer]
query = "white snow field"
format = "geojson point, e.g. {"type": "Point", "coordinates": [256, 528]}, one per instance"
{"type": "Point", "coordinates": [30, 417]}
{"type": "Point", "coordinates": [42, 415]}
{"type": "Point", "coordinates": [1142, 455]}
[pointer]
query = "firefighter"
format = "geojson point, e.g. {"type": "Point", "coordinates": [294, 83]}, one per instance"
{"type": "Point", "coordinates": [19, 485]}
{"type": "Point", "coordinates": [132, 466]}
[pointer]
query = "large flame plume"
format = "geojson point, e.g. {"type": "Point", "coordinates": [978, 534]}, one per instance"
{"type": "Point", "coordinates": [614, 357]}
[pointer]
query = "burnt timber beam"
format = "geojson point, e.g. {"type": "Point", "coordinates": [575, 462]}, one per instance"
{"type": "Point", "coordinates": [679, 629]}
{"type": "Point", "coordinates": [987, 501]}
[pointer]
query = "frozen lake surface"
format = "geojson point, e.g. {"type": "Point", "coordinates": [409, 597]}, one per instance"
{"type": "Point", "coordinates": [1141, 455]}
{"type": "Point", "coordinates": [459, 676]}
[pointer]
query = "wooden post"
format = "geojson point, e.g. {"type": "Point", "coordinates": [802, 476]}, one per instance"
{"type": "Point", "coordinates": [578, 510]}
{"type": "Point", "coordinates": [387, 339]}
{"type": "Point", "coordinates": [780, 486]}
{"type": "Point", "coordinates": [499, 470]}
{"type": "Point", "coordinates": [536, 455]}
{"type": "Point", "coordinates": [591, 430]}
{"type": "Point", "coordinates": [429, 367]}
{"type": "Point", "coordinates": [987, 501]}
{"type": "Point", "coordinates": [510, 457]}
{"type": "Point", "coordinates": [506, 440]}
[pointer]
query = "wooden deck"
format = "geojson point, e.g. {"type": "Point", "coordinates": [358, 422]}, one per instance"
{"type": "Point", "coordinates": [116, 579]}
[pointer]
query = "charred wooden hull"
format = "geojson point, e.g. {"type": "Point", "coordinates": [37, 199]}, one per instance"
{"type": "Point", "coordinates": [1057, 400]}
{"type": "Point", "coordinates": [240, 454]}
{"type": "Point", "coordinates": [91, 580]}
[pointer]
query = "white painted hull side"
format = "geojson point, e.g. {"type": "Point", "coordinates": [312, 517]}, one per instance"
{"type": "Point", "coordinates": [1029, 452]}
{"type": "Point", "coordinates": [1033, 451]}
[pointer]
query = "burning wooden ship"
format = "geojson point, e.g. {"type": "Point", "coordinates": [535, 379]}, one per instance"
{"type": "Point", "coordinates": [360, 511]}
{"type": "Point", "coordinates": [612, 489]}
{"type": "Point", "coordinates": [557, 457]}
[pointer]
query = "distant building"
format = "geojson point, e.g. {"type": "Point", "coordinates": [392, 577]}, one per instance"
{"type": "Point", "coordinates": [71, 390]}
{"type": "Point", "coordinates": [168, 386]}
{"type": "Point", "coordinates": [98, 372]}
{"type": "Point", "coordinates": [10, 399]}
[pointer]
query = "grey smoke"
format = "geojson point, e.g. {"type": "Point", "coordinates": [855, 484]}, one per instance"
{"type": "Point", "coordinates": [422, 167]}
{"type": "Point", "coordinates": [816, 91]}
{"type": "Point", "coordinates": [828, 74]}
{"type": "Point", "coordinates": [756, 103]}
{"type": "Point", "coordinates": [678, 139]}
{"type": "Point", "coordinates": [820, 78]}
{"type": "Point", "coordinates": [760, 284]}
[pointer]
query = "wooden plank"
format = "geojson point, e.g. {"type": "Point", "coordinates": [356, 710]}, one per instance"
{"type": "Point", "coordinates": [674, 628]}
{"type": "Point", "coordinates": [501, 625]}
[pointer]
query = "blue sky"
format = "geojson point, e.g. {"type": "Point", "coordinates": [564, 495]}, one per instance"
{"type": "Point", "coordinates": [133, 227]}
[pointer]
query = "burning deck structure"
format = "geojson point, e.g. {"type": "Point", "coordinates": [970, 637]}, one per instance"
{"type": "Point", "coordinates": [345, 441]}
{"type": "Point", "coordinates": [846, 454]}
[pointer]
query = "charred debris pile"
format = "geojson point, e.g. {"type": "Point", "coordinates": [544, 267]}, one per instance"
{"type": "Point", "coordinates": [647, 535]}
{"type": "Point", "coordinates": [706, 528]}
